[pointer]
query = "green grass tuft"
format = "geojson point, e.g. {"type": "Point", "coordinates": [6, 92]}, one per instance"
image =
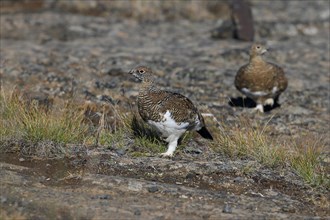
{"type": "Point", "coordinates": [149, 145]}
{"type": "Point", "coordinates": [113, 140]}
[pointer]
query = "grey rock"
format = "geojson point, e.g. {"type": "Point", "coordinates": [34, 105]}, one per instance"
{"type": "Point", "coordinates": [227, 208]}
{"type": "Point", "coordinates": [153, 189]}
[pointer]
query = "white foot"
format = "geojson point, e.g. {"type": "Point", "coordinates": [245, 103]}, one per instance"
{"type": "Point", "coordinates": [269, 101]}
{"type": "Point", "coordinates": [260, 108]}
{"type": "Point", "coordinates": [172, 144]}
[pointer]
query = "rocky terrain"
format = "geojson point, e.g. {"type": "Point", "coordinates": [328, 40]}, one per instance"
{"type": "Point", "coordinates": [59, 50]}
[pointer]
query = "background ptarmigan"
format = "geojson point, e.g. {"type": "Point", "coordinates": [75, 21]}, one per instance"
{"type": "Point", "coordinates": [172, 114]}
{"type": "Point", "coordinates": [260, 80]}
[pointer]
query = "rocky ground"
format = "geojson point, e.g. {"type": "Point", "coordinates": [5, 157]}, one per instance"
{"type": "Point", "coordinates": [55, 51]}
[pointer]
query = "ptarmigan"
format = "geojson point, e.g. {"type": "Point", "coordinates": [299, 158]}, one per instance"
{"type": "Point", "coordinates": [170, 113]}
{"type": "Point", "coordinates": [260, 80]}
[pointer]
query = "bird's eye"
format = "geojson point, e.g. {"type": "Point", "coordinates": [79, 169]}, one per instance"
{"type": "Point", "coordinates": [258, 47]}
{"type": "Point", "coordinates": [141, 71]}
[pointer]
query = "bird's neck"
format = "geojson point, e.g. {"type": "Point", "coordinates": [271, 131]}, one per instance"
{"type": "Point", "coordinates": [148, 85]}
{"type": "Point", "coordinates": [256, 60]}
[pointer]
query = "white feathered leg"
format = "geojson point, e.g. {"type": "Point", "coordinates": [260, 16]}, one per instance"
{"type": "Point", "coordinates": [172, 144]}
{"type": "Point", "coordinates": [269, 101]}
{"type": "Point", "coordinates": [260, 108]}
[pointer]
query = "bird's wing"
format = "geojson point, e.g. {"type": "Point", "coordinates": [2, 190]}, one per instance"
{"type": "Point", "coordinates": [240, 81]}
{"type": "Point", "coordinates": [180, 107]}
{"type": "Point", "coordinates": [280, 80]}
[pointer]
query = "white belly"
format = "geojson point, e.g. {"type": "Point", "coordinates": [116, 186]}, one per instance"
{"type": "Point", "coordinates": [257, 94]}
{"type": "Point", "coordinates": [168, 126]}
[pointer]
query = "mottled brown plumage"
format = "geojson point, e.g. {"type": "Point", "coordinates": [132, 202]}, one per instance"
{"type": "Point", "coordinates": [170, 113]}
{"type": "Point", "coordinates": [260, 80]}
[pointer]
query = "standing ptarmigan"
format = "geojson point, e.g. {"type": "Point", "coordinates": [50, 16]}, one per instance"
{"type": "Point", "coordinates": [171, 114]}
{"type": "Point", "coordinates": [260, 80]}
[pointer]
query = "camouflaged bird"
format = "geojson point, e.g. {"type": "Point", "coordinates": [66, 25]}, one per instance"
{"type": "Point", "coordinates": [260, 80]}
{"type": "Point", "coordinates": [170, 113]}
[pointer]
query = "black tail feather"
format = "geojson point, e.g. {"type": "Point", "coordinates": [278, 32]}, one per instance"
{"type": "Point", "coordinates": [205, 133]}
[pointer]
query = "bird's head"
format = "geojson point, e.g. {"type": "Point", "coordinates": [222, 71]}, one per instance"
{"type": "Point", "coordinates": [141, 73]}
{"type": "Point", "coordinates": [257, 50]}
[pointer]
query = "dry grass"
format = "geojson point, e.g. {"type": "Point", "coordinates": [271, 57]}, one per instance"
{"type": "Point", "coordinates": [27, 120]}
{"type": "Point", "coordinates": [244, 140]}
{"type": "Point", "coordinates": [306, 159]}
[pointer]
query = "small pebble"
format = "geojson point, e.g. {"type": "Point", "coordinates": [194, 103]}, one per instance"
{"type": "Point", "coordinates": [105, 197]}
{"type": "Point", "coordinates": [227, 209]}
{"type": "Point", "coordinates": [153, 189]}
{"type": "Point", "coordinates": [137, 212]}
{"type": "Point", "coordinates": [3, 199]}
{"type": "Point", "coordinates": [288, 209]}
{"type": "Point", "coordinates": [120, 152]}
{"type": "Point", "coordinates": [238, 179]}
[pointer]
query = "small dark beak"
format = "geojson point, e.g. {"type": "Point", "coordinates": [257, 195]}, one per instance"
{"type": "Point", "coordinates": [131, 72]}
{"type": "Point", "coordinates": [134, 78]}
